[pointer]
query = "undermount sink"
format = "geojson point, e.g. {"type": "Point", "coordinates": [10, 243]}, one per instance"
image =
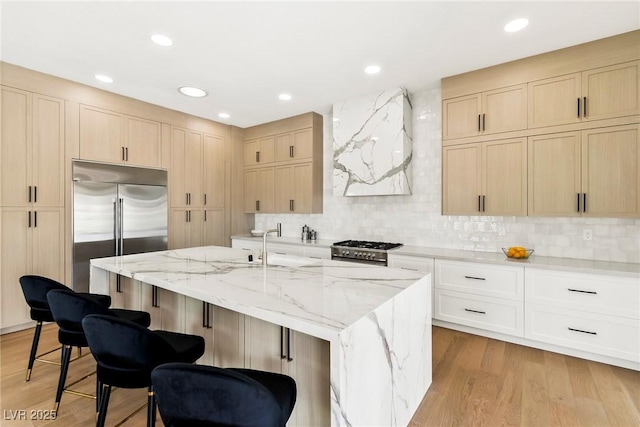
{"type": "Point", "coordinates": [289, 260]}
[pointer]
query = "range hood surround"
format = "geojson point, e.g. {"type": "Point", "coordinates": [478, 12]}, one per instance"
{"type": "Point", "coordinates": [372, 145]}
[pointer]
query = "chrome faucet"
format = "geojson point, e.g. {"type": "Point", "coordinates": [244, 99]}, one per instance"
{"type": "Point", "coordinates": [278, 230]}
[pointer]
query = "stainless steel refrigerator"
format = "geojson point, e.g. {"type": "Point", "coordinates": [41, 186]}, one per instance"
{"type": "Point", "coordinates": [117, 210]}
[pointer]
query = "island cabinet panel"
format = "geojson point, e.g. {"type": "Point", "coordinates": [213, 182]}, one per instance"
{"type": "Point", "coordinates": [110, 136]}
{"type": "Point", "coordinates": [274, 348]}
{"type": "Point", "coordinates": [167, 309]}
{"type": "Point", "coordinates": [33, 148]}
{"type": "Point", "coordinates": [229, 335]}
{"type": "Point", "coordinates": [32, 243]}
{"type": "Point", "coordinates": [488, 178]}
{"type": "Point", "coordinates": [199, 320]}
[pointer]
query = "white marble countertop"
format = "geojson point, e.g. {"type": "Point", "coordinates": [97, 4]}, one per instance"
{"type": "Point", "coordinates": [569, 264]}
{"type": "Point", "coordinates": [319, 299]}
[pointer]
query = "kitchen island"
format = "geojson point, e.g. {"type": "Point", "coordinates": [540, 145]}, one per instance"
{"type": "Point", "coordinates": [375, 321]}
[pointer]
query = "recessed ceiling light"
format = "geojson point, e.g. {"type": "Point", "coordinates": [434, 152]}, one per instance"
{"type": "Point", "coordinates": [516, 25]}
{"type": "Point", "coordinates": [224, 115]}
{"type": "Point", "coordinates": [284, 97]}
{"type": "Point", "coordinates": [192, 91]}
{"type": "Point", "coordinates": [161, 40]}
{"type": "Point", "coordinates": [372, 69]}
{"type": "Point", "coordinates": [103, 78]}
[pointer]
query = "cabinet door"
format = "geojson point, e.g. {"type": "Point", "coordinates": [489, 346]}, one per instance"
{"type": "Point", "coordinates": [193, 168]}
{"type": "Point", "coordinates": [284, 189]}
{"type": "Point", "coordinates": [504, 109]}
{"type": "Point", "coordinates": [265, 191]}
{"type": "Point", "coordinates": [178, 172]}
{"type": "Point", "coordinates": [214, 230]}
{"type": "Point", "coordinates": [505, 177]}
{"type": "Point", "coordinates": [554, 174]}
{"type": "Point", "coordinates": [611, 171]}
{"type": "Point", "coordinates": [48, 151]}
{"type": "Point", "coordinates": [251, 149]}
{"type": "Point", "coordinates": [264, 345]}
{"type": "Point", "coordinates": [554, 101]}
{"type": "Point", "coordinates": [461, 116]}
{"type": "Point", "coordinates": [172, 308]}
{"type": "Point", "coordinates": [178, 229]}
{"type": "Point", "coordinates": [228, 330]}
{"type": "Point", "coordinates": [199, 321]}
{"type": "Point", "coordinates": [214, 165]}
{"type": "Point", "coordinates": [250, 193]}
{"type": "Point", "coordinates": [15, 155]}
{"type": "Point", "coordinates": [101, 135]}
{"type": "Point", "coordinates": [116, 291]}
{"type": "Point", "coordinates": [47, 245]}
{"type": "Point", "coordinates": [302, 188]}
{"type": "Point", "coordinates": [267, 149]}
{"type": "Point", "coordinates": [15, 262]}
{"type": "Point", "coordinates": [612, 91]}
{"type": "Point", "coordinates": [310, 368]}
{"type": "Point", "coordinates": [294, 145]}
{"type": "Point", "coordinates": [461, 182]}
{"type": "Point", "coordinates": [284, 147]}
{"type": "Point", "coordinates": [196, 228]}
{"type": "Point", "coordinates": [142, 142]}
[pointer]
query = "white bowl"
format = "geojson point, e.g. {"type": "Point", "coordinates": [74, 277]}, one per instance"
{"type": "Point", "coordinates": [257, 233]}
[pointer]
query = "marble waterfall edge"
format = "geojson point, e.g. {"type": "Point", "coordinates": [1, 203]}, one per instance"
{"type": "Point", "coordinates": [372, 145]}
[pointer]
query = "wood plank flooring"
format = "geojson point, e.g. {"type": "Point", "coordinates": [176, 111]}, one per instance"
{"type": "Point", "coordinates": [476, 382]}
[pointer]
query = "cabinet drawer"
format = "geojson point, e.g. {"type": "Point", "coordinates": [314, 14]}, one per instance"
{"type": "Point", "coordinates": [283, 249]}
{"type": "Point", "coordinates": [607, 335]}
{"type": "Point", "coordinates": [492, 314]}
{"type": "Point", "coordinates": [321, 253]}
{"type": "Point", "coordinates": [246, 245]}
{"type": "Point", "coordinates": [423, 265]}
{"type": "Point", "coordinates": [598, 293]}
{"type": "Point", "coordinates": [480, 279]}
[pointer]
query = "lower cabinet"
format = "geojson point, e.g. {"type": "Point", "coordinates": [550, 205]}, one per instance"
{"type": "Point", "coordinates": [166, 308]}
{"type": "Point", "coordinates": [274, 348]}
{"type": "Point", "coordinates": [590, 312]}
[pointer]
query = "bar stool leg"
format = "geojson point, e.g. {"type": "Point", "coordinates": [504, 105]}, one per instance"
{"type": "Point", "coordinates": [64, 367]}
{"type": "Point", "coordinates": [104, 403]}
{"type": "Point", "coordinates": [34, 349]}
{"type": "Point", "coordinates": [151, 408]}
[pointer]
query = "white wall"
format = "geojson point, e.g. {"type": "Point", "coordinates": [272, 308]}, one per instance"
{"type": "Point", "coordinates": [416, 219]}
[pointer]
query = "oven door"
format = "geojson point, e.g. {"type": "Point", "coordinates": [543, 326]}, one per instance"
{"type": "Point", "coordinates": [382, 262]}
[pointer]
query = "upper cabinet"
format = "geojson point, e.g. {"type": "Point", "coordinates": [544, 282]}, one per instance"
{"type": "Point", "coordinates": [283, 166]}
{"type": "Point", "coordinates": [33, 149]}
{"type": "Point", "coordinates": [113, 137]}
{"type": "Point", "coordinates": [554, 134]}
{"type": "Point", "coordinates": [601, 93]}
{"type": "Point", "coordinates": [495, 111]}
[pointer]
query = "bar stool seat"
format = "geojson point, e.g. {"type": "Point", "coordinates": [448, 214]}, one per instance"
{"type": "Point", "coordinates": [68, 309]}
{"type": "Point", "coordinates": [35, 289]}
{"type": "Point", "coordinates": [207, 396]}
{"type": "Point", "coordinates": [127, 353]}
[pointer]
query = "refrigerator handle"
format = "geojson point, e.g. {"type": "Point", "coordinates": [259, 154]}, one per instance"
{"type": "Point", "coordinates": [121, 237]}
{"type": "Point", "coordinates": [115, 225]}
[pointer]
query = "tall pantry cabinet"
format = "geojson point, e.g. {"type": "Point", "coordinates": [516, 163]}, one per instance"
{"type": "Point", "coordinates": [32, 195]}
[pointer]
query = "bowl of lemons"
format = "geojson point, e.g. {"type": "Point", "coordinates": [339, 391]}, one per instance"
{"type": "Point", "coordinates": [517, 252]}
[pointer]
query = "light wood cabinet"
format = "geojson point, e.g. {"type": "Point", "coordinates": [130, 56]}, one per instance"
{"type": "Point", "coordinates": [273, 348]}
{"type": "Point", "coordinates": [601, 93]}
{"type": "Point", "coordinates": [292, 188]}
{"type": "Point", "coordinates": [296, 145]}
{"type": "Point", "coordinates": [595, 172]}
{"type": "Point", "coordinates": [229, 333]}
{"type": "Point", "coordinates": [259, 151]}
{"type": "Point", "coordinates": [32, 243]}
{"type": "Point", "coordinates": [33, 149]}
{"type": "Point", "coordinates": [289, 178]}
{"type": "Point", "coordinates": [490, 112]}
{"type": "Point", "coordinates": [109, 136]}
{"type": "Point", "coordinates": [213, 157]}
{"type": "Point", "coordinates": [186, 168]}
{"type": "Point", "coordinates": [186, 228]}
{"type": "Point", "coordinates": [214, 227]}
{"type": "Point", "coordinates": [199, 320]}
{"type": "Point", "coordinates": [485, 178]}
{"type": "Point", "coordinates": [167, 309]}
{"type": "Point", "coordinates": [259, 186]}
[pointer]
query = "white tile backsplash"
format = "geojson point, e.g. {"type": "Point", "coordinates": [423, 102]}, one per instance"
{"type": "Point", "coordinates": [416, 219]}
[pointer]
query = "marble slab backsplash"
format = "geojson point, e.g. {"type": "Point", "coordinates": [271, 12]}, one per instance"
{"type": "Point", "coordinates": [416, 219]}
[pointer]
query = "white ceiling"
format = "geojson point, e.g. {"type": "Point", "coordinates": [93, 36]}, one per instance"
{"type": "Point", "coordinates": [246, 53]}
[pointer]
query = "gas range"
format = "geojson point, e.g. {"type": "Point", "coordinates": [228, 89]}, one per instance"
{"type": "Point", "coordinates": [362, 251]}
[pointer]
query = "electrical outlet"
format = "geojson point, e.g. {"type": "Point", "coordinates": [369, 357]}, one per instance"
{"type": "Point", "coordinates": [587, 234]}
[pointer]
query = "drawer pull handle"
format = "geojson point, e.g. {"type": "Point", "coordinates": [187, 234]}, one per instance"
{"type": "Point", "coordinates": [582, 292]}
{"type": "Point", "coordinates": [475, 311]}
{"type": "Point", "coordinates": [581, 331]}
{"type": "Point", "coordinates": [474, 278]}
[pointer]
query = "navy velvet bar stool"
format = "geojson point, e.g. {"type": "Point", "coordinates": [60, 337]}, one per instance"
{"type": "Point", "coordinates": [206, 396]}
{"type": "Point", "coordinates": [68, 309]}
{"type": "Point", "coordinates": [35, 289]}
{"type": "Point", "coordinates": [127, 353]}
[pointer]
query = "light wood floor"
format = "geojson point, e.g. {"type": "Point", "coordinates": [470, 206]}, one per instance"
{"type": "Point", "coordinates": [476, 382]}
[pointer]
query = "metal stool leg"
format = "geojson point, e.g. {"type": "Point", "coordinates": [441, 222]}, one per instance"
{"type": "Point", "coordinates": [151, 408]}
{"type": "Point", "coordinates": [105, 393]}
{"type": "Point", "coordinates": [64, 367]}
{"type": "Point", "coordinates": [34, 349]}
